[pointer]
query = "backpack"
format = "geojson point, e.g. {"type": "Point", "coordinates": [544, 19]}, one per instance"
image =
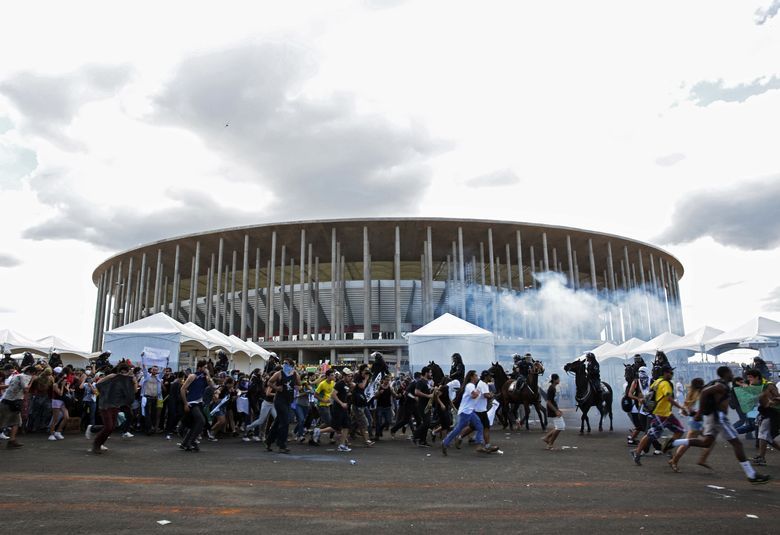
{"type": "Point", "coordinates": [649, 401]}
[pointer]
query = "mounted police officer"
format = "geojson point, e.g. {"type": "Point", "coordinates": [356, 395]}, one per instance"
{"type": "Point", "coordinates": [660, 361]}
{"type": "Point", "coordinates": [521, 369]}
{"type": "Point", "coordinates": [594, 372]}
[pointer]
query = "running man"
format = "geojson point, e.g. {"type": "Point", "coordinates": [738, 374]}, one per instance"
{"type": "Point", "coordinates": [662, 416]}
{"type": "Point", "coordinates": [714, 404]}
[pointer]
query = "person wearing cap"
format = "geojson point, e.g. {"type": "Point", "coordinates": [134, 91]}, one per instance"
{"type": "Point", "coordinates": [662, 417]}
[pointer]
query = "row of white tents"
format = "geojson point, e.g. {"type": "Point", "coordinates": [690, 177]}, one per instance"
{"type": "Point", "coordinates": [762, 334]}
{"type": "Point", "coordinates": [157, 334]}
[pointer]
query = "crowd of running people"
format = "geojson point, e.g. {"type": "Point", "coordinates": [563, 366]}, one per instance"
{"type": "Point", "coordinates": [344, 406]}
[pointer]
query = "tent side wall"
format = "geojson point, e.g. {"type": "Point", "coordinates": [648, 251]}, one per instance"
{"type": "Point", "coordinates": [478, 351]}
{"type": "Point", "coordinates": [131, 345]}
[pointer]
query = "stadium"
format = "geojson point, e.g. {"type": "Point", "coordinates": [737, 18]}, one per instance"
{"type": "Point", "coordinates": [340, 289]}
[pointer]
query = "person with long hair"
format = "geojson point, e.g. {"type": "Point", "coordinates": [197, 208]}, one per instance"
{"type": "Point", "coordinates": [553, 411]}
{"type": "Point", "coordinates": [60, 390]}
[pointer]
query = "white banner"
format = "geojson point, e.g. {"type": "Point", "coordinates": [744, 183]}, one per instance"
{"type": "Point", "coordinates": [153, 356]}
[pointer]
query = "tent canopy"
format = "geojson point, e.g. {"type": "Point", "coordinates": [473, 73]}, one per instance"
{"type": "Point", "coordinates": [15, 342]}
{"type": "Point", "coordinates": [758, 326]}
{"type": "Point", "coordinates": [448, 334]}
{"type": "Point", "coordinates": [62, 347]}
{"type": "Point", "coordinates": [696, 340]}
{"type": "Point", "coordinates": [162, 323]}
{"type": "Point", "coordinates": [603, 348]}
{"type": "Point", "coordinates": [623, 349]}
{"type": "Point", "coordinates": [651, 346]}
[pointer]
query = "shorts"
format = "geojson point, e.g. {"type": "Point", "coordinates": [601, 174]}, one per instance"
{"type": "Point", "coordinates": [9, 418]}
{"type": "Point", "coordinates": [483, 417]}
{"type": "Point", "coordinates": [558, 423]}
{"type": "Point", "coordinates": [715, 423]}
{"type": "Point", "coordinates": [324, 411]}
{"type": "Point", "coordinates": [359, 418]}
{"type": "Point", "coordinates": [658, 423]}
{"type": "Point", "coordinates": [695, 425]}
{"type": "Point", "coordinates": [57, 404]}
{"type": "Point", "coordinates": [765, 429]}
{"type": "Point", "coordinates": [339, 419]}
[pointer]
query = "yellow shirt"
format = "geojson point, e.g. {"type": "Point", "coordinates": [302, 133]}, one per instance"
{"type": "Point", "coordinates": [663, 394]}
{"type": "Point", "coordinates": [324, 391]}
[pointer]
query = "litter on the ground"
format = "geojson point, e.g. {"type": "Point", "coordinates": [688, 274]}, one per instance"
{"type": "Point", "coordinates": [751, 516]}
{"type": "Point", "coordinates": [163, 522]}
{"type": "Point", "coordinates": [716, 487]}
{"type": "Point", "coordinates": [352, 461]}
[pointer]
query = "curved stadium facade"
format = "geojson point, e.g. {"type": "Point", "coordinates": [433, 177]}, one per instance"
{"type": "Point", "coordinates": [343, 288]}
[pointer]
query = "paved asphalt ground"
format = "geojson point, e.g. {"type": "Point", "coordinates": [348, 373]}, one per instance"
{"type": "Point", "coordinates": [589, 485]}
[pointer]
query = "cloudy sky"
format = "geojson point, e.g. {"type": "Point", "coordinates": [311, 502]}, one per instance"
{"type": "Point", "coordinates": [657, 121]}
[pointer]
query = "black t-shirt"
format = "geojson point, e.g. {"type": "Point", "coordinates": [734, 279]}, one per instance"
{"type": "Point", "coordinates": [422, 386]}
{"type": "Point", "coordinates": [551, 393]}
{"type": "Point", "coordinates": [359, 396]}
{"type": "Point", "coordinates": [384, 398]}
{"type": "Point", "coordinates": [341, 390]}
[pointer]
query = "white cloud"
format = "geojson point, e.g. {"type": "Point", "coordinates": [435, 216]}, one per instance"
{"type": "Point", "coordinates": [8, 261]}
{"type": "Point", "coordinates": [501, 177]}
{"type": "Point", "coordinates": [764, 14]}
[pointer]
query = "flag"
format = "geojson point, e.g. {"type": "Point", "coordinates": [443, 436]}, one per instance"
{"type": "Point", "coordinates": [747, 397]}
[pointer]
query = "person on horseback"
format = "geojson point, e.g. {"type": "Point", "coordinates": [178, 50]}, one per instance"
{"type": "Point", "coordinates": [594, 373]}
{"type": "Point", "coordinates": [660, 361]}
{"type": "Point", "coordinates": [639, 362]}
{"type": "Point", "coordinates": [457, 370]}
{"type": "Point", "coordinates": [522, 368]}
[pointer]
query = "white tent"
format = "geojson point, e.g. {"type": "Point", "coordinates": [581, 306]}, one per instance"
{"type": "Point", "coordinates": [156, 333]}
{"type": "Point", "coordinates": [757, 328]}
{"type": "Point", "coordinates": [697, 340]}
{"type": "Point", "coordinates": [67, 351]}
{"type": "Point", "coordinates": [258, 352]}
{"type": "Point", "coordinates": [15, 342]}
{"type": "Point", "coordinates": [651, 346]}
{"type": "Point", "coordinates": [624, 349]}
{"type": "Point", "coordinates": [448, 334]}
{"type": "Point", "coordinates": [213, 343]}
{"type": "Point", "coordinates": [603, 348]}
{"type": "Point", "coordinates": [223, 341]}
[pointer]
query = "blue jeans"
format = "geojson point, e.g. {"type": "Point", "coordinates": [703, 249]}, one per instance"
{"type": "Point", "coordinates": [384, 415]}
{"type": "Point", "coordinates": [465, 420]}
{"type": "Point", "coordinates": [300, 416]}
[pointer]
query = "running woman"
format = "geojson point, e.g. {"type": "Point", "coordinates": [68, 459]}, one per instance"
{"type": "Point", "coordinates": [553, 410]}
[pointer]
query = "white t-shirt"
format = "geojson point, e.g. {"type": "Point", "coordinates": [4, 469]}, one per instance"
{"type": "Point", "coordinates": [482, 400]}
{"type": "Point", "coordinates": [453, 387]}
{"type": "Point", "coordinates": [467, 403]}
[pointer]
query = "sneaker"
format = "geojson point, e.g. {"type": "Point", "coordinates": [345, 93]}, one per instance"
{"type": "Point", "coordinates": [759, 479]}
{"type": "Point", "coordinates": [284, 450]}
{"type": "Point", "coordinates": [168, 436]}
{"type": "Point", "coordinates": [58, 435]}
{"type": "Point", "coordinates": [458, 442]}
{"type": "Point", "coordinates": [657, 452]}
{"type": "Point", "coordinates": [369, 443]}
{"type": "Point", "coordinates": [637, 458]}
{"type": "Point", "coordinates": [93, 450]}
{"type": "Point", "coordinates": [758, 461]}
{"type": "Point", "coordinates": [12, 444]}
{"type": "Point", "coordinates": [344, 448]}
{"type": "Point", "coordinates": [3, 436]}
{"type": "Point", "coordinates": [443, 449]}
{"type": "Point", "coordinates": [246, 439]}
{"type": "Point", "coordinates": [52, 438]}
{"type": "Point", "coordinates": [103, 448]}
{"type": "Point", "coordinates": [88, 434]}
{"type": "Point", "coordinates": [256, 439]}
{"type": "Point", "coordinates": [313, 442]}
{"type": "Point", "coordinates": [195, 448]}
{"type": "Point", "coordinates": [213, 439]}
{"type": "Point", "coordinates": [210, 435]}
{"type": "Point", "coordinates": [128, 434]}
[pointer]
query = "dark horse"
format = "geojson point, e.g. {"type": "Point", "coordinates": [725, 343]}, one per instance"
{"type": "Point", "coordinates": [586, 397]}
{"type": "Point", "coordinates": [437, 372]}
{"type": "Point", "coordinates": [526, 395]}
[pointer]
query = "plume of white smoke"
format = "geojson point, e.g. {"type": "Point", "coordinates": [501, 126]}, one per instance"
{"type": "Point", "coordinates": [763, 15]}
{"type": "Point", "coordinates": [556, 311]}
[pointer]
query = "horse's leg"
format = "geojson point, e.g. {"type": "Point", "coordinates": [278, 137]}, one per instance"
{"type": "Point", "coordinates": [610, 416]}
{"type": "Point", "coordinates": [527, 411]}
{"type": "Point", "coordinates": [542, 419]}
{"type": "Point", "coordinates": [601, 418]}
{"type": "Point", "coordinates": [587, 420]}
{"type": "Point", "coordinates": [582, 420]}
